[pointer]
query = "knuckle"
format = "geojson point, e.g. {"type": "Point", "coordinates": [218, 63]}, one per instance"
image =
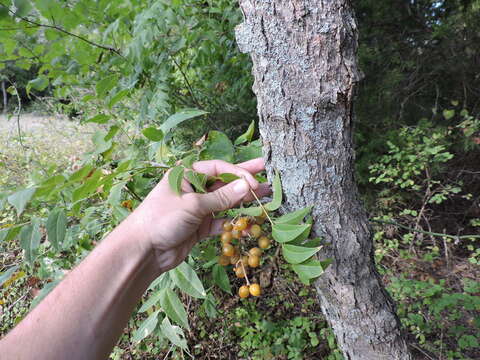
{"type": "Point", "coordinates": [223, 199]}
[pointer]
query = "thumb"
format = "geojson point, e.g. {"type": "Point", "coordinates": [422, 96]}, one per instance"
{"type": "Point", "coordinates": [224, 198]}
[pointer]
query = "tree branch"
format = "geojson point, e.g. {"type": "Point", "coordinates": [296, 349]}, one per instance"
{"type": "Point", "coordinates": [55, 27]}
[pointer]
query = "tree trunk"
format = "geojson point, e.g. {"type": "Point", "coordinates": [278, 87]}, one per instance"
{"type": "Point", "coordinates": [305, 69]}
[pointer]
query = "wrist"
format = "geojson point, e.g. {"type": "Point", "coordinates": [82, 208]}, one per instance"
{"type": "Point", "coordinates": [136, 248]}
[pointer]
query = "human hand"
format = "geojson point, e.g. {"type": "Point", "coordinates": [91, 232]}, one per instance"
{"type": "Point", "coordinates": [170, 225]}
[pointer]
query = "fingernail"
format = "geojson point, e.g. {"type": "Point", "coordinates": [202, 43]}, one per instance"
{"type": "Point", "coordinates": [241, 187]}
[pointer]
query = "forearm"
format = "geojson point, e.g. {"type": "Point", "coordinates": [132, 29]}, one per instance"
{"type": "Point", "coordinates": [87, 312]}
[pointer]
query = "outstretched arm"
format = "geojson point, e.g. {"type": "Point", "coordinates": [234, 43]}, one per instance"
{"type": "Point", "coordinates": [83, 317]}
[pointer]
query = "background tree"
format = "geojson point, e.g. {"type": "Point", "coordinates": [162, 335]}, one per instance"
{"type": "Point", "coordinates": [305, 70]}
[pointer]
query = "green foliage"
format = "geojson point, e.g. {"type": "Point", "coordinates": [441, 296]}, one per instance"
{"type": "Point", "coordinates": [155, 76]}
{"type": "Point", "coordinates": [264, 339]}
{"type": "Point", "coordinates": [427, 308]}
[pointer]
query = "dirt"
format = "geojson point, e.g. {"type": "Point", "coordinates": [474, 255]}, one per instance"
{"type": "Point", "coordinates": [33, 142]}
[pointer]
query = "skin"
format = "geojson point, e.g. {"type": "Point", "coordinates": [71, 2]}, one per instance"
{"type": "Point", "coordinates": [83, 317]}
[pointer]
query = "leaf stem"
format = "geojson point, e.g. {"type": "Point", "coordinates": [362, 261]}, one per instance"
{"type": "Point", "coordinates": [244, 271]}
{"type": "Point", "coordinates": [259, 203]}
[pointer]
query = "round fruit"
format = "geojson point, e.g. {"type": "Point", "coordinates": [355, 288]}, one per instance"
{"type": "Point", "coordinates": [255, 251]}
{"type": "Point", "coordinates": [228, 250]}
{"type": "Point", "coordinates": [253, 261]}
{"type": "Point", "coordinates": [236, 234]}
{"type": "Point", "coordinates": [264, 242]}
{"type": "Point", "coordinates": [255, 230]}
{"type": "Point", "coordinates": [244, 291]}
{"type": "Point", "coordinates": [227, 226]}
{"type": "Point", "coordinates": [234, 259]}
{"type": "Point", "coordinates": [226, 237]}
{"type": "Point", "coordinates": [239, 272]}
{"type": "Point", "coordinates": [255, 290]}
{"type": "Point", "coordinates": [241, 224]}
{"type": "Point", "coordinates": [245, 260]}
{"type": "Point", "coordinates": [223, 260]}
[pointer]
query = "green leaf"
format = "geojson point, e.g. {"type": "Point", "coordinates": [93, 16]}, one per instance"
{"type": "Point", "coordinates": [99, 119]}
{"type": "Point", "coordinates": [20, 199]}
{"type": "Point", "coordinates": [250, 211]}
{"type": "Point", "coordinates": [7, 274]}
{"type": "Point", "coordinates": [277, 194]}
{"type": "Point", "coordinates": [448, 114]}
{"type": "Point", "coordinates": [49, 185]}
{"type": "Point", "coordinates": [30, 240]}
{"type": "Point", "coordinates": [173, 307]}
{"type": "Point", "coordinates": [40, 83]}
{"type": "Point", "coordinates": [187, 280]}
{"type": "Point", "coordinates": [249, 152]}
{"type": "Point", "coordinates": [161, 282]}
{"type": "Point", "coordinates": [88, 187]}
{"type": "Point", "coordinates": [286, 232]}
{"type": "Point", "coordinates": [217, 146]}
{"type": "Point", "coordinates": [189, 160]}
{"type": "Point", "coordinates": [56, 228]}
{"type": "Point", "coordinates": [153, 134]}
{"type": "Point", "coordinates": [220, 277]}
{"type": "Point", "coordinates": [198, 180]}
{"type": "Point", "coordinates": [309, 269]}
{"type": "Point", "coordinates": [106, 84]}
{"type": "Point", "coordinates": [23, 7]}
{"type": "Point", "coordinates": [295, 217]}
{"type": "Point", "coordinates": [118, 97]}
{"type": "Point", "coordinates": [173, 333]}
{"type": "Point", "coordinates": [227, 177]}
{"type": "Point", "coordinates": [9, 233]}
{"type": "Point", "coordinates": [81, 173]}
{"type": "Point", "coordinates": [247, 136]}
{"type": "Point", "coordinates": [297, 254]}
{"type": "Point", "coordinates": [175, 178]}
{"type": "Point", "coordinates": [146, 327]}
{"type": "Point", "coordinates": [152, 300]}
{"type": "Point", "coordinates": [180, 117]}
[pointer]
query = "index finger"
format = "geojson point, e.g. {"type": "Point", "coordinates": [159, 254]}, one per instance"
{"type": "Point", "coordinates": [217, 167]}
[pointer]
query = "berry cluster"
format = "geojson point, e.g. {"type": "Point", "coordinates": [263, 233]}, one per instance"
{"type": "Point", "coordinates": [236, 234]}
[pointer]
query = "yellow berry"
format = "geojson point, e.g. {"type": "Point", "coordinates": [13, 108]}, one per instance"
{"type": "Point", "coordinates": [253, 261]}
{"type": "Point", "coordinates": [264, 242]}
{"type": "Point", "coordinates": [234, 259]}
{"type": "Point", "coordinates": [255, 251]}
{"type": "Point", "coordinates": [239, 272]}
{"type": "Point", "coordinates": [255, 230]}
{"type": "Point", "coordinates": [244, 291]}
{"type": "Point", "coordinates": [228, 250]}
{"type": "Point", "coordinates": [236, 234]}
{"type": "Point", "coordinates": [226, 237]}
{"type": "Point", "coordinates": [255, 290]}
{"type": "Point", "coordinates": [241, 224]}
{"type": "Point", "coordinates": [223, 260]}
{"type": "Point", "coordinates": [227, 226]}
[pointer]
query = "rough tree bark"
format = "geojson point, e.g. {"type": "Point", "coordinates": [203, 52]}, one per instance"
{"type": "Point", "coordinates": [305, 69]}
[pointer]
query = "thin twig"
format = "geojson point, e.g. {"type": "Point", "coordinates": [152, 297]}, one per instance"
{"type": "Point", "coordinates": [190, 90]}
{"type": "Point", "coordinates": [19, 109]}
